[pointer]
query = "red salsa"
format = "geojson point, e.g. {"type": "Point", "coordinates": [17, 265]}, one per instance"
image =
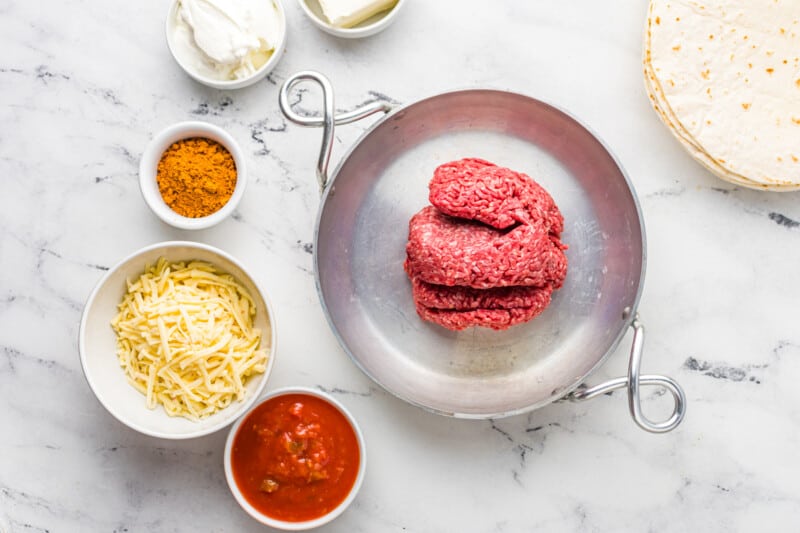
{"type": "Point", "coordinates": [295, 457]}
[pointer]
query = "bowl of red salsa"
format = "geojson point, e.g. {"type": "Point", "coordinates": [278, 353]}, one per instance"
{"type": "Point", "coordinates": [295, 460]}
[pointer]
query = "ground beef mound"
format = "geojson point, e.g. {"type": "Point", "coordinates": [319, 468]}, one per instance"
{"type": "Point", "coordinates": [500, 197]}
{"type": "Point", "coordinates": [449, 251]}
{"type": "Point", "coordinates": [498, 319]}
{"type": "Point", "coordinates": [466, 298]}
{"type": "Point", "coordinates": [488, 251]}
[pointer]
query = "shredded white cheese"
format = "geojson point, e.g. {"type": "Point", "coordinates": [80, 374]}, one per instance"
{"type": "Point", "coordinates": [185, 338]}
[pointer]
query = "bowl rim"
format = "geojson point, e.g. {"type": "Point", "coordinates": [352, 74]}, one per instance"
{"type": "Point", "coordinates": [148, 165]}
{"type": "Point", "coordinates": [243, 407]}
{"type": "Point", "coordinates": [356, 32]}
{"type": "Point", "coordinates": [306, 524]}
{"type": "Point", "coordinates": [256, 76]}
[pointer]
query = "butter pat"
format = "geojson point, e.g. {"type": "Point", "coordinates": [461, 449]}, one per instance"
{"type": "Point", "coordinates": [348, 13]}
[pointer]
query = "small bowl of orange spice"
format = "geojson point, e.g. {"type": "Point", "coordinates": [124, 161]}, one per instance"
{"type": "Point", "coordinates": [192, 175]}
{"type": "Point", "coordinates": [295, 460]}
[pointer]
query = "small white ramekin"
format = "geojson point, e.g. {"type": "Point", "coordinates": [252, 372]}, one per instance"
{"type": "Point", "coordinates": [308, 524]}
{"type": "Point", "coordinates": [258, 75]}
{"type": "Point", "coordinates": [369, 27]}
{"type": "Point", "coordinates": [148, 168]}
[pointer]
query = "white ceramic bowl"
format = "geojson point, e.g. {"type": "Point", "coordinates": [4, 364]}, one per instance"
{"type": "Point", "coordinates": [371, 26]}
{"type": "Point", "coordinates": [148, 167]}
{"type": "Point", "coordinates": [258, 75]}
{"type": "Point", "coordinates": [97, 344]}
{"type": "Point", "coordinates": [308, 524]}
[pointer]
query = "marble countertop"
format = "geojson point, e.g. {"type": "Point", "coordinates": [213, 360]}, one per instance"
{"type": "Point", "coordinates": [85, 85]}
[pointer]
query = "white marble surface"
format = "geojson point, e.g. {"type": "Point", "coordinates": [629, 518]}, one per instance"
{"type": "Point", "coordinates": [84, 85]}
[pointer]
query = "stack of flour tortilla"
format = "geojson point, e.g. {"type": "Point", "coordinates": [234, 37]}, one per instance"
{"type": "Point", "coordinates": [724, 76]}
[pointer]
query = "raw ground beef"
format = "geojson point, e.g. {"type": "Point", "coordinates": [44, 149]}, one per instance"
{"type": "Point", "coordinates": [449, 251]}
{"type": "Point", "coordinates": [457, 308]}
{"type": "Point", "coordinates": [467, 298]}
{"type": "Point", "coordinates": [498, 319]}
{"type": "Point", "coordinates": [488, 252]}
{"type": "Point", "coordinates": [500, 197]}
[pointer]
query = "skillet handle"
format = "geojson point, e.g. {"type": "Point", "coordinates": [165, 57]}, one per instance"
{"type": "Point", "coordinates": [328, 120]}
{"type": "Point", "coordinates": [633, 381]}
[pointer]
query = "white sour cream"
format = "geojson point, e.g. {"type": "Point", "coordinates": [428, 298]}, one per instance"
{"type": "Point", "coordinates": [225, 39]}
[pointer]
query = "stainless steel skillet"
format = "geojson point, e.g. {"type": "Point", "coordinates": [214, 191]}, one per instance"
{"type": "Point", "coordinates": [359, 248]}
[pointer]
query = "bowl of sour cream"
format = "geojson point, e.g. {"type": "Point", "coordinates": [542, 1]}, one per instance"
{"type": "Point", "coordinates": [226, 44]}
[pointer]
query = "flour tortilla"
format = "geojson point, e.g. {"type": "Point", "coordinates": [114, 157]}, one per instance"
{"type": "Point", "coordinates": [724, 75]}
{"type": "Point", "coordinates": [697, 152]}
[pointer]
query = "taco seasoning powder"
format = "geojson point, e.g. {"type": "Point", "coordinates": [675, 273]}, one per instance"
{"type": "Point", "coordinates": [196, 176]}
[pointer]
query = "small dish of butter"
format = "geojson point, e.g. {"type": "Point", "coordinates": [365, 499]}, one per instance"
{"type": "Point", "coordinates": [351, 19]}
{"type": "Point", "coordinates": [226, 44]}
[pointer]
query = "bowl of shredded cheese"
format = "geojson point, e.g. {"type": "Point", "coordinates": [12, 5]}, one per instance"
{"type": "Point", "coordinates": [177, 340]}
